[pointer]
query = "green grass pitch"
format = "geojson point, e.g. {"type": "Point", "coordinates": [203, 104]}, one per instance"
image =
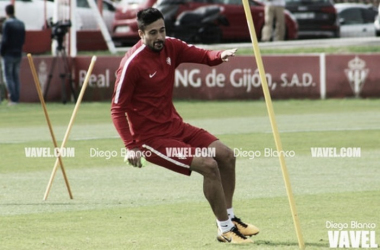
{"type": "Point", "coordinates": [119, 207]}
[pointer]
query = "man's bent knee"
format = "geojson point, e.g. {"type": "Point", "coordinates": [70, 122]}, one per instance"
{"type": "Point", "coordinates": [224, 155]}
{"type": "Point", "coordinates": [206, 166]}
{"type": "Point", "coordinates": [227, 161]}
{"type": "Point", "coordinates": [229, 156]}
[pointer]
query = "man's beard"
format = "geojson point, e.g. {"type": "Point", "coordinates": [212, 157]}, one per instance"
{"type": "Point", "coordinates": [158, 46]}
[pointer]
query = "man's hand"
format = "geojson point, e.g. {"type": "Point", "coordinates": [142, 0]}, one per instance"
{"type": "Point", "coordinates": [227, 54]}
{"type": "Point", "coordinates": [133, 157]}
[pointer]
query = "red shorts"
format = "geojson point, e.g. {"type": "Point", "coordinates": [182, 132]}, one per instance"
{"type": "Point", "coordinates": [176, 152]}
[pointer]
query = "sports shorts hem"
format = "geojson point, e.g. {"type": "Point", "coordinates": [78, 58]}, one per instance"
{"type": "Point", "coordinates": [176, 153]}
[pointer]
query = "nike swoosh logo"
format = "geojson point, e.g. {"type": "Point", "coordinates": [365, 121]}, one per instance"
{"type": "Point", "coordinates": [227, 239]}
{"type": "Point", "coordinates": [151, 75]}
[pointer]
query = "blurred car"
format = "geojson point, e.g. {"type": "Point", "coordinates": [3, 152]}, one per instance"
{"type": "Point", "coordinates": [31, 12]}
{"type": "Point", "coordinates": [127, 9]}
{"type": "Point", "coordinates": [377, 25]}
{"type": "Point", "coordinates": [356, 20]}
{"type": "Point", "coordinates": [377, 22]}
{"type": "Point", "coordinates": [316, 18]}
{"type": "Point", "coordinates": [125, 29]}
{"type": "Point", "coordinates": [125, 25]}
{"type": "Point", "coordinates": [87, 17]}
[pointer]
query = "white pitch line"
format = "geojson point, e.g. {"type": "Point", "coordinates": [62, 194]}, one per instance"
{"type": "Point", "coordinates": [216, 133]}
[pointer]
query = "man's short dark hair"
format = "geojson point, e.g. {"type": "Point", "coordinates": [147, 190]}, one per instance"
{"type": "Point", "coordinates": [10, 10]}
{"type": "Point", "coordinates": [148, 16]}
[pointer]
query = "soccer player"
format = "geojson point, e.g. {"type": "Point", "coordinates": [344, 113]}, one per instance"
{"type": "Point", "coordinates": [147, 121]}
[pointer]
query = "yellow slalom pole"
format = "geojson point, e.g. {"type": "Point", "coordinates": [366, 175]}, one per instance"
{"type": "Point", "coordinates": [79, 100]}
{"type": "Point", "coordinates": [39, 92]}
{"type": "Point", "coordinates": [276, 135]}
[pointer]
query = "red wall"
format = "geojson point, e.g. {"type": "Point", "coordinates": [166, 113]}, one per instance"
{"type": "Point", "coordinates": [39, 41]}
{"type": "Point", "coordinates": [288, 76]}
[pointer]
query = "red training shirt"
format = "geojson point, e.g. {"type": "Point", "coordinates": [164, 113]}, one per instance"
{"type": "Point", "coordinates": [142, 105]}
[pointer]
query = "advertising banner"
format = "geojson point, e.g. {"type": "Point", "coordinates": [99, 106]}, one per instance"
{"type": "Point", "coordinates": [53, 79]}
{"type": "Point", "coordinates": [288, 76]}
{"type": "Point", "coordinates": [353, 75]}
{"type": "Point", "coordinates": [102, 79]}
